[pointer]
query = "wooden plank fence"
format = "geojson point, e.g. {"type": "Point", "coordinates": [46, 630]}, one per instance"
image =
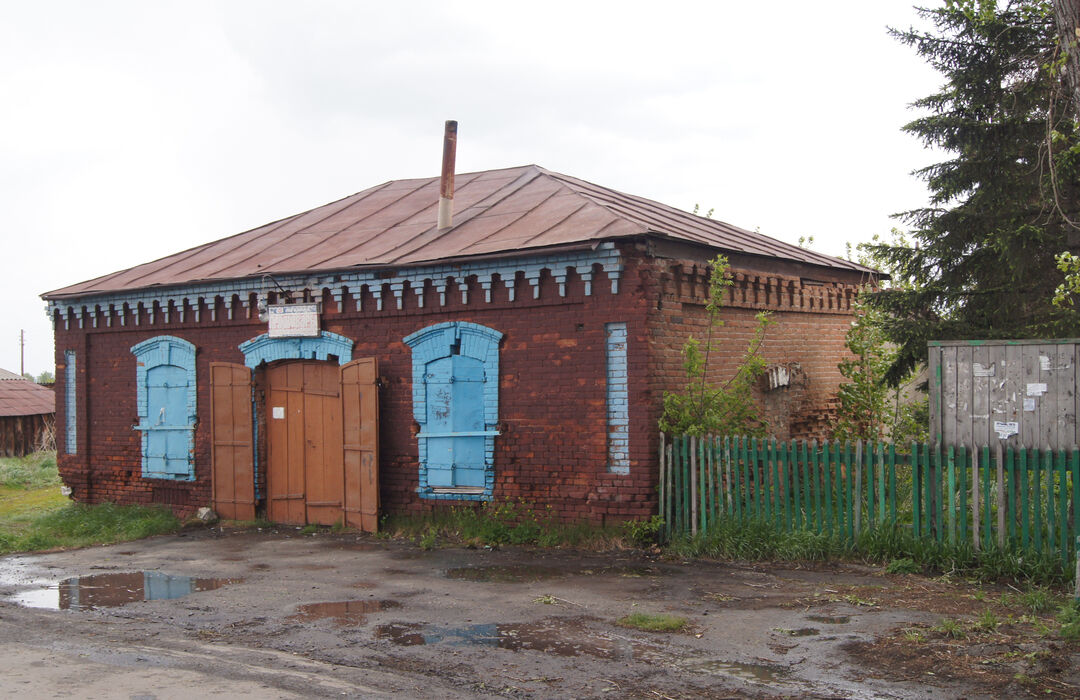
{"type": "Point", "coordinates": [1018, 498]}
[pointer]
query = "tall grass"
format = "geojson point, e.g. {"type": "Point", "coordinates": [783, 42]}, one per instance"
{"type": "Point", "coordinates": [34, 471]}
{"type": "Point", "coordinates": [78, 525]}
{"type": "Point", "coordinates": [760, 540]}
{"type": "Point", "coordinates": [498, 523]}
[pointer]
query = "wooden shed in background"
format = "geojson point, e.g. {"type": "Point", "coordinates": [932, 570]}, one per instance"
{"type": "Point", "coordinates": [27, 412]}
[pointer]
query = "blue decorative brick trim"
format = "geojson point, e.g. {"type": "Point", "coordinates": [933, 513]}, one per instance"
{"type": "Point", "coordinates": [434, 343]}
{"type": "Point", "coordinates": [189, 301]}
{"type": "Point", "coordinates": [263, 348]}
{"type": "Point", "coordinates": [156, 352]}
{"type": "Point", "coordinates": [618, 399]}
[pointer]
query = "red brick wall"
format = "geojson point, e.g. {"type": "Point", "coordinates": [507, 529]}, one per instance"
{"type": "Point", "coordinates": [809, 322]}
{"type": "Point", "coordinates": [552, 413]}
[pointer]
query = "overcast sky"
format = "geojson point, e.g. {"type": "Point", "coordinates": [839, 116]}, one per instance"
{"type": "Point", "coordinates": [131, 130]}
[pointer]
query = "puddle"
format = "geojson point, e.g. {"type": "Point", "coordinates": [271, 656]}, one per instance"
{"type": "Point", "coordinates": [830, 619]}
{"type": "Point", "coordinates": [260, 567]}
{"type": "Point", "coordinates": [550, 637]}
{"type": "Point", "coordinates": [752, 673]}
{"type": "Point", "coordinates": [113, 590]}
{"type": "Point", "coordinates": [348, 612]}
{"type": "Point", "coordinates": [523, 573]}
{"type": "Point", "coordinates": [800, 632]}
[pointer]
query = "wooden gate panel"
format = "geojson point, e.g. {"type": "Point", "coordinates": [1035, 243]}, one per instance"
{"type": "Point", "coordinates": [232, 455]}
{"type": "Point", "coordinates": [285, 444]}
{"type": "Point", "coordinates": [325, 480]}
{"type": "Point", "coordinates": [360, 431]}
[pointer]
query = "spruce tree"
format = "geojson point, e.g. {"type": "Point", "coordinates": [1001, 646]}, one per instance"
{"type": "Point", "coordinates": [981, 258]}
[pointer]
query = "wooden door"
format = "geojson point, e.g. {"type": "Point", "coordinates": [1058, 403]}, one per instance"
{"type": "Point", "coordinates": [360, 413]}
{"type": "Point", "coordinates": [232, 457]}
{"type": "Point", "coordinates": [305, 475]}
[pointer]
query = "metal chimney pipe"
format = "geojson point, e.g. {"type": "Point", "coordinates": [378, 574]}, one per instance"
{"type": "Point", "coordinates": [446, 184]}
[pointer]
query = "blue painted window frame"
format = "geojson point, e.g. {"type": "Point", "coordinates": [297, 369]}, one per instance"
{"type": "Point", "coordinates": [70, 417]}
{"type": "Point", "coordinates": [173, 358]}
{"type": "Point", "coordinates": [430, 346]}
{"type": "Point", "coordinates": [618, 398]}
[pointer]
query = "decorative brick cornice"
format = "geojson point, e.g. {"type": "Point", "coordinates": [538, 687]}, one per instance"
{"type": "Point", "coordinates": [386, 288]}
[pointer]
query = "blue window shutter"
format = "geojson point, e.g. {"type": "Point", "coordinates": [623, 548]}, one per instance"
{"type": "Point", "coordinates": [456, 403]}
{"type": "Point", "coordinates": [165, 378]}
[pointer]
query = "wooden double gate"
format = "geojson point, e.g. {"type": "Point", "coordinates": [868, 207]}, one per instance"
{"type": "Point", "coordinates": [321, 442]}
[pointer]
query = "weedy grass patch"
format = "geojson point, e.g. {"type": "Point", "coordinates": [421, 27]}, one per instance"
{"type": "Point", "coordinates": [892, 546]}
{"type": "Point", "coordinates": [34, 515]}
{"type": "Point", "coordinates": [653, 622]}
{"type": "Point", "coordinates": [499, 523]}
{"type": "Point", "coordinates": [34, 471]}
{"type": "Point", "coordinates": [77, 525]}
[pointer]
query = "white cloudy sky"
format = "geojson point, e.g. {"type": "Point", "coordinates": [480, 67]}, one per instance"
{"type": "Point", "coordinates": [130, 130]}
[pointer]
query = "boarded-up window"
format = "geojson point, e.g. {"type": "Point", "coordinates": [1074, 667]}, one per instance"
{"type": "Point", "coordinates": [69, 402]}
{"type": "Point", "coordinates": [456, 403]}
{"type": "Point", "coordinates": [165, 380]}
{"type": "Point", "coordinates": [618, 402]}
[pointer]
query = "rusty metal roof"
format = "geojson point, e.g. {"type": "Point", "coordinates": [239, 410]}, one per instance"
{"type": "Point", "coordinates": [496, 213]}
{"type": "Point", "coordinates": [22, 397]}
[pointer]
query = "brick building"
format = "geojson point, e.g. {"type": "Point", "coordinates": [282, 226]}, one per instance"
{"type": "Point", "coordinates": [357, 358]}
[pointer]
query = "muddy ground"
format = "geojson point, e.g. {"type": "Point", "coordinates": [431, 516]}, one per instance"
{"type": "Point", "coordinates": [277, 614]}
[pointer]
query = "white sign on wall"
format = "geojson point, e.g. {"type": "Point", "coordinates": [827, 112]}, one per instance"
{"type": "Point", "coordinates": [294, 320]}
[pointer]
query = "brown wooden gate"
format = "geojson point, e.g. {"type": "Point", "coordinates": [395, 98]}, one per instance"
{"type": "Point", "coordinates": [305, 475]}
{"type": "Point", "coordinates": [232, 457]}
{"type": "Point", "coordinates": [360, 407]}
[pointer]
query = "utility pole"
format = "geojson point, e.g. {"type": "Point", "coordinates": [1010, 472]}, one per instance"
{"type": "Point", "coordinates": [22, 347]}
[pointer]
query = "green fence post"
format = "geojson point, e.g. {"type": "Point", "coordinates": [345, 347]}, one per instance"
{"type": "Point", "coordinates": [849, 486]}
{"type": "Point", "coordinates": [951, 485]}
{"type": "Point", "coordinates": [1025, 533]}
{"type": "Point", "coordinates": [815, 486]}
{"type": "Point", "coordinates": [756, 477]}
{"type": "Point", "coordinates": [807, 510]}
{"type": "Point", "coordinates": [1037, 470]}
{"type": "Point", "coordinates": [1063, 507]}
{"type": "Point", "coordinates": [985, 478]}
{"type": "Point", "coordinates": [1074, 475]}
{"type": "Point", "coordinates": [791, 487]}
{"type": "Point", "coordinates": [916, 492]}
{"type": "Point", "coordinates": [939, 489]}
{"type": "Point", "coordinates": [892, 484]}
{"type": "Point", "coordinates": [1012, 490]}
{"type": "Point", "coordinates": [826, 520]}
{"type": "Point", "coordinates": [961, 479]}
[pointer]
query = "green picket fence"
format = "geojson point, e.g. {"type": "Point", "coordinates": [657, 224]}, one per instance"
{"type": "Point", "coordinates": [1018, 497]}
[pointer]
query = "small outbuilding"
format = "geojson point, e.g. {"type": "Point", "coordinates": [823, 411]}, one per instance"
{"type": "Point", "coordinates": [26, 415]}
{"type": "Point", "coordinates": [364, 357]}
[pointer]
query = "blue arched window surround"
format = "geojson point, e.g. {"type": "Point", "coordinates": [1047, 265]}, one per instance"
{"type": "Point", "coordinates": [456, 402]}
{"type": "Point", "coordinates": [165, 380]}
{"type": "Point", "coordinates": [263, 348]}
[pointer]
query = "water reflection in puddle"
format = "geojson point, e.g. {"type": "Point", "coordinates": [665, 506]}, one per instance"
{"type": "Point", "coordinates": [829, 619]}
{"type": "Point", "coordinates": [551, 637]}
{"type": "Point", "coordinates": [752, 673]}
{"type": "Point", "coordinates": [800, 632]}
{"type": "Point", "coordinates": [113, 590]}
{"type": "Point", "coordinates": [348, 612]}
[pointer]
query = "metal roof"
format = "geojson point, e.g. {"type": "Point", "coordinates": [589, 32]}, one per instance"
{"type": "Point", "coordinates": [496, 212]}
{"type": "Point", "coordinates": [22, 397]}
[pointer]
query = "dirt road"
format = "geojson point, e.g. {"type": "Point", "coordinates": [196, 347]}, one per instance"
{"type": "Point", "coordinates": [279, 615]}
